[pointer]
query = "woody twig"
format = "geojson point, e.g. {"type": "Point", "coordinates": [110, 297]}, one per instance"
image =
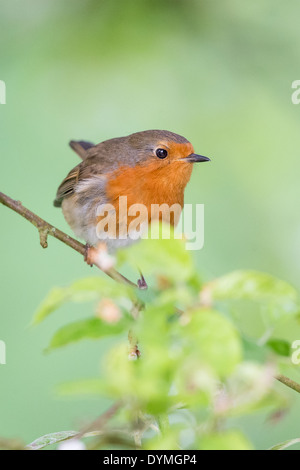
{"type": "Point", "coordinates": [45, 229]}
{"type": "Point", "coordinates": [288, 382]}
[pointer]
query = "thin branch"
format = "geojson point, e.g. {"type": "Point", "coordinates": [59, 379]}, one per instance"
{"type": "Point", "coordinates": [45, 229]}
{"type": "Point", "coordinates": [99, 423]}
{"type": "Point", "coordinates": [288, 382]}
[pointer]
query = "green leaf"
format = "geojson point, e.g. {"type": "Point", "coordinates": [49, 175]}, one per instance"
{"type": "Point", "coordinates": [162, 257]}
{"type": "Point", "coordinates": [250, 388]}
{"type": "Point", "coordinates": [169, 440]}
{"type": "Point", "coordinates": [102, 286]}
{"type": "Point", "coordinates": [54, 300]}
{"type": "Point", "coordinates": [228, 440]}
{"type": "Point", "coordinates": [258, 302]}
{"type": "Point", "coordinates": [49, 439]}
{"type": "Point", "coordinates": [92, 328]}
{"type": "Point", "coordinates": [214, 340]}
{"type": "Point", "coordinates": [257, 286]}
{"type": "Point", "coordinates": [177, 296]}
{"type": "Point", "coordinates": [280, 347]}
{"type": "Point", "coordinates": [83, 290]}
{"type": "Point", "coordinates": [59, 296]}
{"type": "Point", "coordinates": [286, 444]}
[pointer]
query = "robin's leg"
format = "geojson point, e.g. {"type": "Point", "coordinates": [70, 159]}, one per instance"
{"type": "Point", "coordinates": [89, 256]}
{"type": "Point", "coordinates": [99, 256]}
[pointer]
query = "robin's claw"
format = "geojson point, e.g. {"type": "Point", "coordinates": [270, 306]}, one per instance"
{"type": "Point", "coordinates": [88, 255]}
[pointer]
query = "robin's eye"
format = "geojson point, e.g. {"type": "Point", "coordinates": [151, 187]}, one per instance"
{"type": "Point", "coordinates": [161, 153]}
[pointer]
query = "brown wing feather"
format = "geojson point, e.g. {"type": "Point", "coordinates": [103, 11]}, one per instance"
{"type": "Point", "coordinates": [66, 188]}
{"type": "Point", "coordinates": [88, 168]}
{"type": "Point", "coordinates": [81, 147]}
{"type": "Point", "coordinates": [97, 160]}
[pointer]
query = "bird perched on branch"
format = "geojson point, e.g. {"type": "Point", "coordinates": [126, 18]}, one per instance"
{"type": "Point", "coordinates": [147, 168]}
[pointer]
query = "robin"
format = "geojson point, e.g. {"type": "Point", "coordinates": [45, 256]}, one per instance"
{"type": "Point", "coordinates": [146, 168]}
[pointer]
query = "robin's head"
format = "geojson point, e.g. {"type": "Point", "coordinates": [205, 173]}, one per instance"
{"type": "Point", "coordinates": [161, 148]}
{"type": "Point", "coordinates": [155, 166]}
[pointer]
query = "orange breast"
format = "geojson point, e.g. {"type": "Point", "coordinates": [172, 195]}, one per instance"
{"type": "Point", "coordinates": [149, 184]}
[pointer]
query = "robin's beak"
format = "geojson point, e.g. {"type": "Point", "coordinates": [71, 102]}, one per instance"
{"type": "Point", "coordinates": [194, 158]}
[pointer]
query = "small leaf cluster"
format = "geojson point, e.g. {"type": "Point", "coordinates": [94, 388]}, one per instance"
{"type": "Point", "coordinates": [189, 358]}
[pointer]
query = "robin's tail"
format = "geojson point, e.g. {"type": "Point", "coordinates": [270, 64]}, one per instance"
{"type": "Point", "coordinates": [80, 147]}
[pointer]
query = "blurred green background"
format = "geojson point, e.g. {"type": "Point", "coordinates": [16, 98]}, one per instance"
{"type": "Point", "coordinates": [219, 73]}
